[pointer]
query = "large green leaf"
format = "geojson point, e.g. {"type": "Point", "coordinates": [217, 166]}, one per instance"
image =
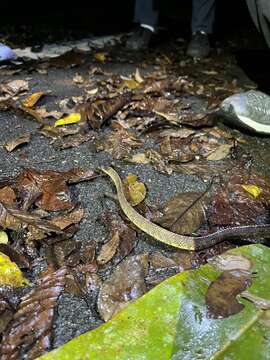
{"type": "Point", "coordinates": [171, 322]}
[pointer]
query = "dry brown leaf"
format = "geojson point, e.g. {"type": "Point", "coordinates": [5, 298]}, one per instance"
{"type": "Point", "coordinates": [125, 285]}
{"type": "Point", "coordinates": [7, 196]}
{"type": "Point", "coordinates": [30, 329]}
{"type": "Point", "coordinates": [14, 143]}
{"type": "Point", "coordinates": [109, 249]}
{"type": "Point", "coordinates": [119, 143]}
{"type": "Point", "coordinates": [14, 87]}
{"type": "Point", "coordinates": [220, 153]}
{"type": "Point", "coordinates": [31, 100]}
{"type": "Point", "coordinates": [184, 213]}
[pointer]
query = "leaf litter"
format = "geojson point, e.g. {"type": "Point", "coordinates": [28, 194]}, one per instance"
{"type": "Point", "coordinates": [122, 115]}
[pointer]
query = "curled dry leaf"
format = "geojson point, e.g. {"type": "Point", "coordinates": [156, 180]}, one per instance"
{"type": "Point", "coordinates": [109, 249]}
{"type": "Point", "coordinates": [30, 329]}
{"type": "Point", "coordinates": [97, 112]}
{"type": "Point", "coordinates": [125, 285]}
{"type": "Point", "coordinates": [31, 100]}
{"type": "Point", "coordinates": [121, 238]}
{"type": "Point", "coordinates": [14, 87]}
{"type": "Point", "coordinates": [184, 213]}
{"type": "Point", "coordinates": [135, 191]}
{"type": "Point", "coordinates": [14, 143]}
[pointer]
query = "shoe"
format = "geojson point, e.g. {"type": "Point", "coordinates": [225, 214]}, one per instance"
{"type": "Point", "coordinates": [140, 39]}
{"type": "Point", "coordinates": [6, 53]}
{"type": "Point", "coordinates": [250, 110]}
{"type": "Point", "coordinates": [199, 45]}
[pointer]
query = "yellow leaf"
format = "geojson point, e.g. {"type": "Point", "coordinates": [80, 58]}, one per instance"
{"type": "Point", "coordinates": [31, 100]}
{"type": "Point", "coordinates": [10, 274]}
{"type": "Point", "coordinates": [100, 56]}
{"type": "Point", "coordinates": [70, 119]}
{"type": "Point", "coordinates": [253, 190]}
{"type": "Point", "coordinates": [130, 84]}
{"type": "Point", "coordinates": [3, 237]}
{"type": "Point", "coordinates": [136, 190]}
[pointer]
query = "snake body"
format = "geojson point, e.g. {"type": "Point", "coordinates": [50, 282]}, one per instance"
{"type": "Point", "coordinates": [176, 240]}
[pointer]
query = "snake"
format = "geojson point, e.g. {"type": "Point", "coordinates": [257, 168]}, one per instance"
{"type": "Point", "coordinates": [170, 238]}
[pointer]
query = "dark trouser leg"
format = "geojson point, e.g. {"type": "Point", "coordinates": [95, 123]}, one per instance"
{"type": "Point", "coordinates": [260, 13]}
{"type": "Point", "coordinates": [145, 12]}
{"type": "Point", "coordinates": [203, 16]}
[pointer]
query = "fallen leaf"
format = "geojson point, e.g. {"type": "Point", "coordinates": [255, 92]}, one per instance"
{"type": "Point", "coordinates": [139, 158]}
{"type": "Point", "coordinates": [184, 213]}
{"type": "Point", "coordinates": [220, 153]}
{"type": "Point", "coordinates": [221, 295]}
{"type": "Point", "coordinates": [14, 87]}
{"type": "Point", "coordinates": [31, 100]}
{"type": "Point", "coordinates": [3, 237]}
{"type": "Point", "coordinates": [119, 143]}
{"type": "Point", "coordinates": [30, 329]}
{"type": "Point", "coordinates": [138, 77]}
{"type": "Point", "coordinates": [109, 249]}
{"type": "Point", "coordinates": [73, 141]}
{"type": "Point", "coordinates": [7, 196]}
{"type": "Point", "coordinates": [135, 190]}
{"type": "Point", "coordinates": [70, 119]}
{"type": "Point", "coordinates": [124, 286]}
{"type": "Point", "coordinates": [14, 143]}
{"type": "Point", "coordinates": [10, 274]}
{"type": "Point", "coordinates": [100, 56]}
{"type": "Point", "coordinates": [253, 190]}
{"type": "Point", "coordinates": [78, 79]}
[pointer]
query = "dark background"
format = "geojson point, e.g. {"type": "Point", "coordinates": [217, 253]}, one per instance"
{"type": "Point", "coordinates": [103, 17]}
{"type": "Point", "coordinates": [26, 23]}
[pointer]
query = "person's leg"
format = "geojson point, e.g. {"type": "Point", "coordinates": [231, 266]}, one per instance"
{"type": "Point", "coordinates": [202, 23]}
{"type": "Point", "coordinates": [260, 13]}
{"type": "Point", "coordinates": [146, 15]}
{"type": "Point", "coordinates": [203, 16]}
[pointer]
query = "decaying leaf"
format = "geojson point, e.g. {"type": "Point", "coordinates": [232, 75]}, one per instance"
{"type": "Point", "coordinates": [14, 143]}
{"type": "Point", "coordinates": [121, 239]}
{"type": "Point", "coordinates": [124, 286]}
{"type": "Point", "coordinates": [135, 190]}
{"type": "Point", "coordinates": [30, 329]}
{"type": "Point", "coordinates": [220, 153]}
{"type": "Point", "coordinates": [184, 213]}
{"type": "Point", "coordinates": [139, 158]}
{"type": "Point", "coordinates": [73, 141]}
{"type": "Point", "coordinates": [14, 87]}
{"type": "Point", "coordinates": [7, 196]}
{"type": "Point", "coordinates": [119, 143]}
{"type": "Point", "coordinates": [31, 100]}
{"type": "Point", "coordinates": [109, 249]}
{"type": "Point", "coordinates": [221, 295]}
{"type": "Point", "coordinates": [97, 112]}
{"type": "Point", "coordinates": [10, 274]}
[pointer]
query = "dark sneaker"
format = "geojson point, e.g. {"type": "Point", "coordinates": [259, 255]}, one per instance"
{"type": "Point", "coordinates": [140, 39]}
{"type": "Point", "coordinates": [199, 45]}
{"type": "Point", "coordinates": [250, 110]}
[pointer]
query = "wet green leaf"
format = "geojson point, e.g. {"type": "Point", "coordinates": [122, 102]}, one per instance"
{"type": "Point", "coordinates": [172, 322]}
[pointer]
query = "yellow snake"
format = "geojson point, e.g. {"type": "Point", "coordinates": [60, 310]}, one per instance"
{"type": "Point", "coordinates": [176, 240]}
